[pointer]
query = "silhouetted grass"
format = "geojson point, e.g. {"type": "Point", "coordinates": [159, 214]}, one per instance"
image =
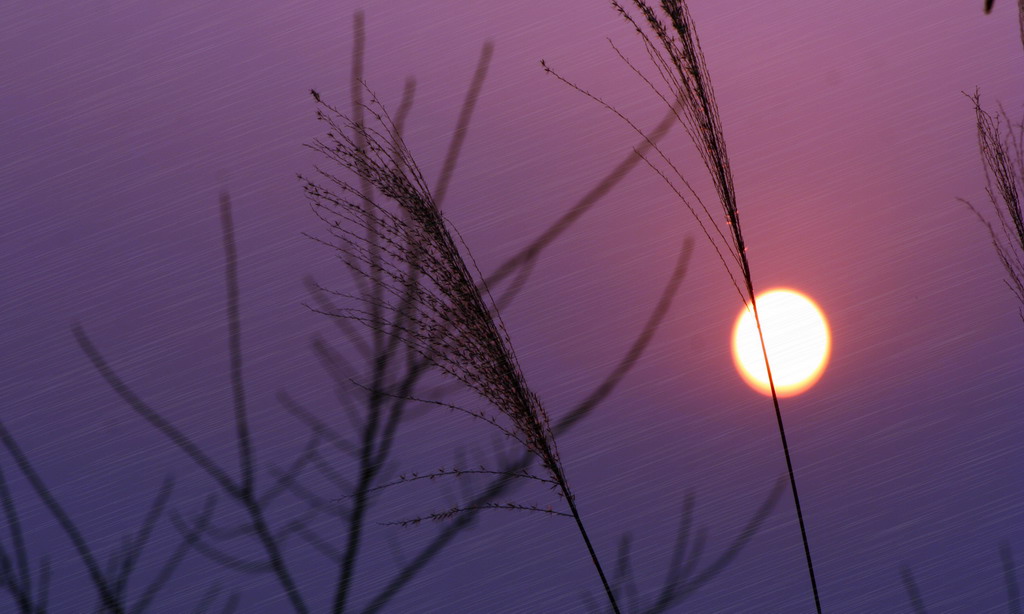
{"type": "Point", "coordinates": [683, 83]}
{"type": "Point", "coordinates": [439, 307]}
{"type": "Point", "coordinates": [1001, 147]}
{"type": "Point", "coordinates": [411, 265]}
{"type": "Point", "coordinates": [1001, 143]}
{"type": "Point", "coordinates": [435, 301]}
{"type": "Point", "coordinates": [375, 412]}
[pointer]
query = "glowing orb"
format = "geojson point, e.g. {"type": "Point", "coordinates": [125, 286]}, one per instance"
{"type": "Point", "coordinates": [796, 336]}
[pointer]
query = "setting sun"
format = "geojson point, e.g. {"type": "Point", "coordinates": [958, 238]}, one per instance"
{"type": "Point", "coordinates": [796, 336]}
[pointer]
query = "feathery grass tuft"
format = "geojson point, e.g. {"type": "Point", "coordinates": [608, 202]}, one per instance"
{"type": "Point", "coordinates": [682, 82]}
{"type": "Point", "coordinates": [419, 275]}
{"type": "Point", "coordinates": [1001, 143]}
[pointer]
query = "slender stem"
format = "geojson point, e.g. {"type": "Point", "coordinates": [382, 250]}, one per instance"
{"type": "Point", "coordinates": [20, 577]}
{"type": "Point", "coordinates": [245, 455]}
{"type": "Point", "coordinates": [368, 471]}
{"type": "Point", "coordinates": [782, 434]}
{"type": "Point", "coordinates": [245, 490]}
{"type": "Point", "coordinates": [274, 553]}
{"type": "Point", "coordinates": [1009, 573]}
{"type": "Point", "coordinates": [593, 556]}
{"type": "Point", "coordinates": [563, 484]}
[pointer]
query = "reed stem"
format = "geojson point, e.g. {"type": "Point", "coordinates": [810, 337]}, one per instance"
{"type": "Point", "coordinates": [785, 444]}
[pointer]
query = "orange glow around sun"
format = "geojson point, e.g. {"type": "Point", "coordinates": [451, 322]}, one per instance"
{"type": "Point", "coordinates": [797, 339]}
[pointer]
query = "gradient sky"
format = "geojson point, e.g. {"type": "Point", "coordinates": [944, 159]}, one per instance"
{"type": "Point", "coordinates": [851, 140]}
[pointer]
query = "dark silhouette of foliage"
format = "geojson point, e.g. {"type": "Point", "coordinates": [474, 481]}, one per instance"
{"type": "Point", "coordinates": [683, 84]}
{"type": "Point", "coordinates": [111, 581]}
{"type": "Point", "coordinates": [1001, 143]}
{"type": "Point", "coordinates": [279, 510]}
{"type": "Point", "coordinates": [437, 306]}
{"type": "Point", "coordinates": [418, 285]}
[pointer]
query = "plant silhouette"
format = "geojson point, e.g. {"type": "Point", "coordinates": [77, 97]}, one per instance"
{"type": "Point", "coordinates": [262, 519]}
{"type": "Point", "coordinates": [683, 84]}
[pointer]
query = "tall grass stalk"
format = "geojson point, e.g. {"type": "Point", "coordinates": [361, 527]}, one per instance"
{"type": "Point", "coordinates": [1001, 143]}
{"type": "Point", "coordinates": [425, 281]}
{"type": "Point", "coordinates": [683, 84]}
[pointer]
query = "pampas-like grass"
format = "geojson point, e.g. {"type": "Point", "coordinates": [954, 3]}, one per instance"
{"type": "Point", "coordinates": [1001, 143]}
{"type": "Point", "coordinates": [683, 84]}
{"type": "Point", "coordinates": [438, 304]}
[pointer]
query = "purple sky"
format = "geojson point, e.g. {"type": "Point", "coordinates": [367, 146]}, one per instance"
{"type": "Point", "coordinates": [851, 141]}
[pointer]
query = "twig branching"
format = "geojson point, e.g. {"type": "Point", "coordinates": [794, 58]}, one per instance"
{"type": "Point", "coordinates": [376, 411]}
{"type": "Point", "coordinates": [242, 489]}
{"type": "Point", "coordinates": [406, 270]}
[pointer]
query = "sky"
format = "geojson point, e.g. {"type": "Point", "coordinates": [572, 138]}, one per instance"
{"type": "Point", "coordinates": [852, 141]}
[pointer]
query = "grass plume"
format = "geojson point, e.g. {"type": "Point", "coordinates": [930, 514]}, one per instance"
{"type": "Point", "coordinates": [425, 281]}
{"type": "Point", "coordinates": [683, 83]}
{"type": "Point", "coordinates": [1001, 144]}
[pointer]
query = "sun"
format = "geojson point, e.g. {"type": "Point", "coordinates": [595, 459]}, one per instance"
{"type": "Point", "coordinates": [796, 335]}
